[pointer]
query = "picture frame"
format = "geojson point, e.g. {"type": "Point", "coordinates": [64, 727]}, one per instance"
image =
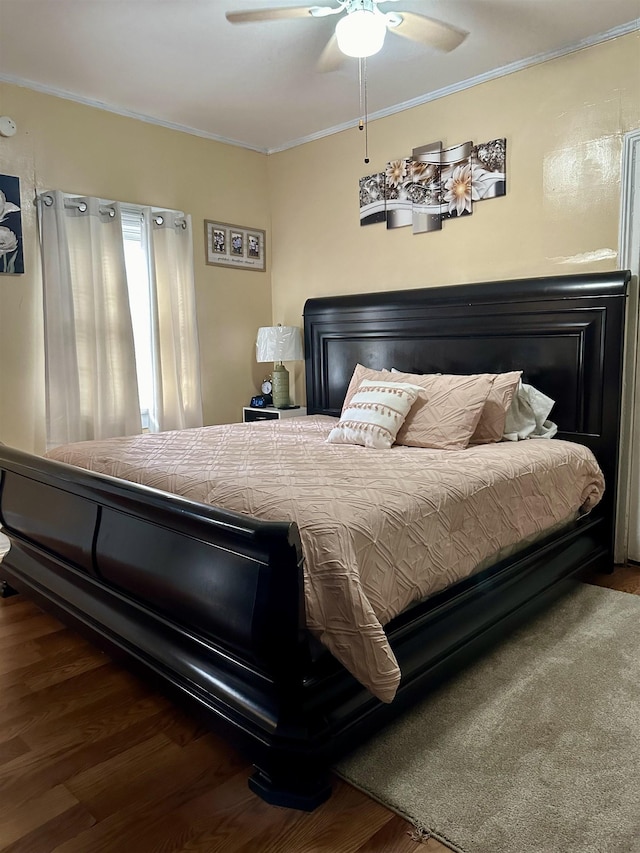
{"type": "Point", "coordinates": [234, 246]}
{"type": "Point", "coordinates": [11, 241]}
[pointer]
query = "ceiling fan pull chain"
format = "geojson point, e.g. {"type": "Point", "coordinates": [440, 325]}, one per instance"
{"type": "Point", "coordinates": [363, 124]}
{"type": "Point", "coordinates": [361, 93]}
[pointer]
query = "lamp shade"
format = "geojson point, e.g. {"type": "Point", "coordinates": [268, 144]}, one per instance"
{"type": "Point", "coordinates": [361, 33]}
{"type": "Point", "coordinates": [279, 343]}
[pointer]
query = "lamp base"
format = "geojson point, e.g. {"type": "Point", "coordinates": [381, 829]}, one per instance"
{"type": "Point", "coordinates": [280, 389]}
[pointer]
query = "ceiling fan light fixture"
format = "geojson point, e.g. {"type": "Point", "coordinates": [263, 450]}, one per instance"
{"type": "Point", "coordinates": [361, 33]}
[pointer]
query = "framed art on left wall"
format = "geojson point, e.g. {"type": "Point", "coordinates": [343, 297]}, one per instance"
{"type": "Point", "coordinates": [11, 256]}
{"type": "Point", "coordinates": [236, 246]}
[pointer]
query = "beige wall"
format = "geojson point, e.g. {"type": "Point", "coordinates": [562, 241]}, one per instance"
{"type": "Point", "coordinates": [564, 121]}
{"type": "Point", "coordinates": [67, 146]}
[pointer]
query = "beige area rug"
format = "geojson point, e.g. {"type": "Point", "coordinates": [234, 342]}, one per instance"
{"type": "Point", "coordinates": [533, 749]}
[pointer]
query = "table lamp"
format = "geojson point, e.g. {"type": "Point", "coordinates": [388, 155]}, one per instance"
{"type": "Point", "coordinates": [278, 344]}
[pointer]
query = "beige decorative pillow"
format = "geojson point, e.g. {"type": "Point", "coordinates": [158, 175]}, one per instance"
{"type": "Point", "coordinates": [491, 424]}
{"type": "Point", "coordinates": [375, 414]}
{"type": "Point", "coordinates": [492, 420]}
{"type": "Point", "coordinates": [447, 410]}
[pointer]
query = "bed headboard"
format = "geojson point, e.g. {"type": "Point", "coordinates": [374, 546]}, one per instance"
{"type": "Point", "coordinates": [565, 332]}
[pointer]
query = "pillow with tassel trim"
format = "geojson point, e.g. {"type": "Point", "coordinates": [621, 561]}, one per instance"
{"type": "Point", "coordinates": [375, 413]}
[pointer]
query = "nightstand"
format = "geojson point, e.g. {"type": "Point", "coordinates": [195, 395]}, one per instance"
{"type": "Point", "coordinates": [269, 413]}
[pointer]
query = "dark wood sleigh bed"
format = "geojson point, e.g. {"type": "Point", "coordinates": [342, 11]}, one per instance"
{"type": "Point", "coordinates": [210, 603]}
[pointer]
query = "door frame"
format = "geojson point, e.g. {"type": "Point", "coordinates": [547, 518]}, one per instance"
{"type": "Point", "coordinates": [628, 497]}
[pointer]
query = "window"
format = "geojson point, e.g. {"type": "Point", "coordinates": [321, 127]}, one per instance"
{"type": "Point", "coordinates": [135, 256]}
{"type": "Point", "coordinates": [135, 284]}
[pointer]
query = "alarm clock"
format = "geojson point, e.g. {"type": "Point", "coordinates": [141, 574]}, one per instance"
{"type": "Point", "coordinates": [261, 401]}
{"type": "Point", "coordinates": [266, 398]}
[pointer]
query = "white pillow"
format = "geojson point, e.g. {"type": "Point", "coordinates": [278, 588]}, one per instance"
{"type": "Point", "coordinates": [527, 415]}
{"type": "Point", "coordinates": [375, 414]}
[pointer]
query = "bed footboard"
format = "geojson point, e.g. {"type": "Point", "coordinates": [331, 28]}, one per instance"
{"type": "Point", "coordinates": [209, 603]}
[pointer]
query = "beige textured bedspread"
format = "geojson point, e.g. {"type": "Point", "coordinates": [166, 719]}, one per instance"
{"type": "Point", "coordinates": [380, 529]}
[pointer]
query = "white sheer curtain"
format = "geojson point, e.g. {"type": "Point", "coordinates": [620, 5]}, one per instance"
{"type": "Point", "coordinates": [175, 350]}
{"type": "Point", "coordinates": [91, 384]}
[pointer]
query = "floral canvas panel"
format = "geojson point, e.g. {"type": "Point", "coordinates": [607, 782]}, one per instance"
{"type": "Point", "coordinates": [435, 184]}
{"type": "Point", "coordinates": [372, 199]}
{"type": "Point", "coordinates": [458, 192]}
{"type": "Point", "coordinates": [397, 195]}
{"type": "Point", "coordinates": [11, 255]}
{"type": "Point", "coordinates": [426, 187]}
{"type": "Point", "coordinates": [489, 165]}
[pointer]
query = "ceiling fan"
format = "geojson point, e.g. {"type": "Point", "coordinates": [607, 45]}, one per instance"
{"type": "Point", "coordinates": [362, 29]}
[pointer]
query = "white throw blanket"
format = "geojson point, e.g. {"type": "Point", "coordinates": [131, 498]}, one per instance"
{"type": "Point", "coordinates": [527, 415]}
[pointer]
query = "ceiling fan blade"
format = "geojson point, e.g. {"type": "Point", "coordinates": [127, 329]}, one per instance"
{"type": "Point", "coordinates": [331, 57]}
{"type": "Point", "coordinates": [277, 14]}
{"type": "Point", "coordinates": [429, 31]}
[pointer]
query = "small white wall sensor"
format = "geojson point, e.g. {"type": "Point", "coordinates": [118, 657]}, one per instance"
{"type": "Point", "coordinates": [7, 126]}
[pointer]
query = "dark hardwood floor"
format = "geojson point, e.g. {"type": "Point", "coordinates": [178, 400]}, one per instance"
{"type": "Point", "coordinates": [92, 760]}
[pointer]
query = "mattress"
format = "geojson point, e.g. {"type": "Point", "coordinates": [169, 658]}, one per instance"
{"type": "Point", "coordinates": [380, 529]}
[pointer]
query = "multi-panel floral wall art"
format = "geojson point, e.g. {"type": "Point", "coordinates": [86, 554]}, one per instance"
{"type": "Point", "coordinates": [11, 257]}
{"type": "Point", "coordinates": [433, 185]}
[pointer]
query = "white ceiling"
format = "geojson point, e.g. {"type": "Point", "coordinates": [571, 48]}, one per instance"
{"type": "Point", "coordinates": [180, 63]}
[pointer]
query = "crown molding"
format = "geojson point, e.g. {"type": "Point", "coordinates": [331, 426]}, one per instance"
{"type": "Point", "coordinates": [520, 65]}
{"type": "Point", "coordinates": [110, 108]}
